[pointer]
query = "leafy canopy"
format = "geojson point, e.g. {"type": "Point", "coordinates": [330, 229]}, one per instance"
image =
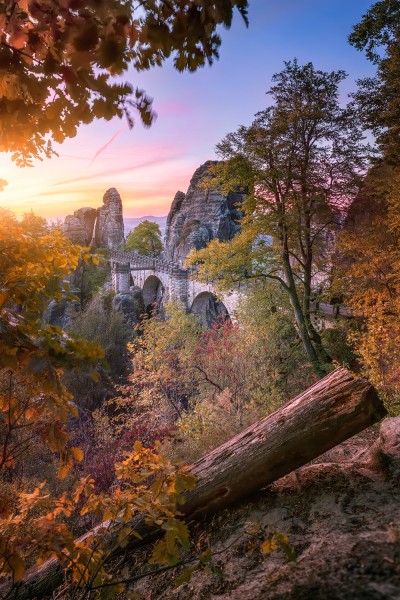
{"type": "Point", "coordinates": [59, 59]}
{"type": "Point", "coordinates": [378, 28]}
{"type": "Point", "coordinates": [300, 161]}
{"type": "Point", "coordinates": [378, 34]}
{"type": "Point", "coordinates": [145, 239]}
{"type": "Point", "coordinates": [370, 275]}
{"type": "Point", "coordinates": [35, 408]}
{"type": "Point", "coordinates": [149, 489]}
{"type": "Point", "coordinates": [34, 264]}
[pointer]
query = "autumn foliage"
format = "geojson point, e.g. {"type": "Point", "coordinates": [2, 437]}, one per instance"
{"type": "Point", "coordinates": [35, 412]}
{"type": "Point", "coordinates": [94, 414]}
{"type": "Point", "coordinates": [65, 55]}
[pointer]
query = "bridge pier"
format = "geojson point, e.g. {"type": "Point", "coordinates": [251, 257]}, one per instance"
{"type": "Point", "coordinates": [121, 273]}
{"type": "Point", "coordinates": [179, 286]}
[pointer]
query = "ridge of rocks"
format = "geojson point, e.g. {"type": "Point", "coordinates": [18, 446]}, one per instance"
{"type": "Point", "coordinates": [199, 216]}
{"type": "Point", "coordinates": [102, 227]}
{"type": "Point", "coordinates": [194, 219]}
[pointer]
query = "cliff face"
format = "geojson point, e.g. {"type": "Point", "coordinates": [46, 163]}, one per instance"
{"type": "Point", "coordinates": [109, 231]}
{"type": "Point", "coordinates": [102, 227]}
{"type": "Point", "coordinates": [199, 216]}
{"type": "Point", "coordinates": [79, 226]}
{"type": "Point", "coordinates": [195, 218]}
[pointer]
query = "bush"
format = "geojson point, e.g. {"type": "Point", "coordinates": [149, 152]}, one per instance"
{"type": "Point", "coordinates": [101, 323]}
{"type": "Point", "coordinates": [89, 278]}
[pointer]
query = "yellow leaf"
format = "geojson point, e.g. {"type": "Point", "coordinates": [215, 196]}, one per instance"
{"type": "Point", "coordinates": [77, 454]}
{"type": "Point", "coordinates": [268, 546]}
{"type": "Point", "coordinates": [17, 566]}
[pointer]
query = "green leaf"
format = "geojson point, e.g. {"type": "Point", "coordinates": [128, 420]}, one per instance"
{"type": "Point", "coordinates": [185, 576]}
{"type": "Point", "coordinates": [206, 556]}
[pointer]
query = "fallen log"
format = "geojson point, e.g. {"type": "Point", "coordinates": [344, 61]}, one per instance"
{"type": "Point", "coordinates": [331, 411]}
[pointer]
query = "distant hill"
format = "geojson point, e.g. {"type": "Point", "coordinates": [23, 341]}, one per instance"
{"type": "Point", "coordinates": [132, 222]}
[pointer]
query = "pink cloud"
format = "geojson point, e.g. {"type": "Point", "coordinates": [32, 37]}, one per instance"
{"type": "Point", "coordinates": [156, 160]}
{"type": "Point", "coordinates": [172, 108]}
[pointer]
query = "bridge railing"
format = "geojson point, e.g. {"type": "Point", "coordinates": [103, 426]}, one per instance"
{"type": "Point", "coordinates": [139, 261]}
{"type": "Point", "coordinates": [162, 265]}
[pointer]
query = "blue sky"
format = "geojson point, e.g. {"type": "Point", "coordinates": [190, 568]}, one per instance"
{"type": "Point", "coordinates": [195, 110]}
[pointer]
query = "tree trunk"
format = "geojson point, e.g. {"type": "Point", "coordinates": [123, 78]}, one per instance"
{"type": "Point", "coordinates": [299, 314]}
{"type": "Point", "coordinates": [332, 410]}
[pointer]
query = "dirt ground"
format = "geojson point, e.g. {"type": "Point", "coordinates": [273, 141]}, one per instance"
{"type": "Point", "coordinates": [341, 515]}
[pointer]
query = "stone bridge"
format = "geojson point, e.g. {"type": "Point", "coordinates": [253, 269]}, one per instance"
{"type": "Point", "coordinates": [162, 280]}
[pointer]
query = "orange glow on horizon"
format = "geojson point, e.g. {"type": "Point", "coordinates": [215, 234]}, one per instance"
{"type": "Point", "coordinates": [146, 176]}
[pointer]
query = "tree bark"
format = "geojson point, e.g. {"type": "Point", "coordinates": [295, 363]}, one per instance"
{"type": "Point", "coordinates": [332, 410]}
{"type": "Point", "coordinates": [298, 312]}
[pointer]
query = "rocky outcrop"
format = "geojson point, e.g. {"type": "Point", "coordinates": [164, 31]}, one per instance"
{"type": "Point", "coordinates": [130, 304]}
{"type": "Point", "coordinates": [370, 204]}
{"type": "Point", "coordinates": [109, 231]}
{"type": "Point", "coordinates": [79, 227]}
{"type": "Point", "coordinates": [102, 227]}
{"type": "Point", "coordinates": [389, 443]}
{"type": "Point", "coordinates": [61, 313]}
{"type": "Point", "coordinates": [199, 216]}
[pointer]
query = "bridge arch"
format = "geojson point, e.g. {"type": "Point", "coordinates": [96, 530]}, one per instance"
{"type": "Point", "coordinates": [153, 293]}
{"type": "Point", "coordinates": [209, 309]}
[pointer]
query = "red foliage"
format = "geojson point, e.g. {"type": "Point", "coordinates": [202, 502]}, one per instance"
{"type": "Point", "coordinates": [100, 462]}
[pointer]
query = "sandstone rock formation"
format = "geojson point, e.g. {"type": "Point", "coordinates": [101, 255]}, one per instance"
{"type": "Point", "coordinates": [61, 313]}
{"type": "Point", "coordinates": [130, 304]}
{"type": "Point", "coordinates": [109, 231]}
{"type": "Point", "coordinates": [199, 216]}
{"type": "Point", "coordinates": [102, 227]}
{"type": "Point", "coordinates": [79, 227]}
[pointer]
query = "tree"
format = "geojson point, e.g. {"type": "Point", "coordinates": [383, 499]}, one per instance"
{"type": "Point", "coordinates": [58, 59]}
{"type": "Point", "coordinates": [368, 272]}
{"type": "Point", "coordinates": [35, 409]}
{"type": "Point", "coordinates": [163, 366]}
{"type": "Point", "coordinates": [378, 34]}
{"type": "Point", "coordinates": [301, 162]}
{"type": "Point", "coordinates": [103, 324]}
{"type": "Point", "coordinates": [367, 276]}
{"type": "Point", "coordinates": [33, 269]}
{"type": "Point", "coordinates": [145, 239]}
{"type": "Point", "coordinates": [34, 224]}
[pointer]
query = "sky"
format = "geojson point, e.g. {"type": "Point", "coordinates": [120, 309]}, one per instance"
{"type": "Point", "coordinates": [195, 111]}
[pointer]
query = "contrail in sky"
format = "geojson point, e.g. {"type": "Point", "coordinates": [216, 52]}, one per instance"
{"type": "Point", "coordinates": [110, 141]}
{"type": "Point", "coordinates": [147, 163]}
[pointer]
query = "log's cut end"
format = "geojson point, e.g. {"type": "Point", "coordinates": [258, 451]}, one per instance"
{"type": "Point", "coordinates": [331, 411]}
{"type": "Point", "coordinates": [375, 404]}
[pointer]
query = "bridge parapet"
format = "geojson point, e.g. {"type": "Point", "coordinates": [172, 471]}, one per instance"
{"type": "Point", "coordinates": [181, 284]}
{"type": "Point", "coordinates": [139, 261]}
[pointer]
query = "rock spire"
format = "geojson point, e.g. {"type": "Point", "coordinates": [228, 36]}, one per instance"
{"type": "Point", "coordinates": [102, 227]}
{"type": "Point", "coordinates": [199, 216]}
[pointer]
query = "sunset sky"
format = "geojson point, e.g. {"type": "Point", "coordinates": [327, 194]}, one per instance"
{"type": "Point", "coordinates": [195, 111]}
